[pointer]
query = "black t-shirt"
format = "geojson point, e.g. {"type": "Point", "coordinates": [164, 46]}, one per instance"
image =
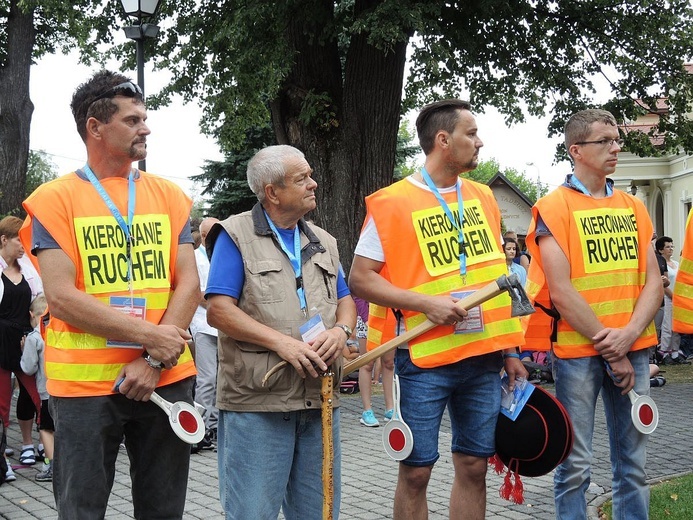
{"type": "Point", "coordinates": [663, 269]}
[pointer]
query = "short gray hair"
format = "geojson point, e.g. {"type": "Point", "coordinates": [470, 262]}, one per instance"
{"type": "Point", "coordinates": [267, 167]}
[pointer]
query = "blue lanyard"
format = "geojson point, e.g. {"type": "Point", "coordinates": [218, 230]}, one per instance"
{"type": "Point", "coordinates": [125, 226]}
{"type": "Point", "coordinates": [451, 218]}
{"type": "Point", "coordinates": [573, 182]}
{"type": "Point", "coordinates": [294, 258]}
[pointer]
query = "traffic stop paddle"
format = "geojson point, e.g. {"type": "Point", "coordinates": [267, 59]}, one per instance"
{"type": "Point", "coordinates": [643, 411]}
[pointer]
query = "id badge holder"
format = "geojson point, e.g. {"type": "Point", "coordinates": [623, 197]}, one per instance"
{"type": "Point", "coordinates": [135, 307]}
{"type": "Point", "coordinates": [312, 328]}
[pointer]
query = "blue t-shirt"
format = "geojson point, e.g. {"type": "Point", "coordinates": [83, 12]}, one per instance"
{"type": "Point", "coordinates": [226, 273]}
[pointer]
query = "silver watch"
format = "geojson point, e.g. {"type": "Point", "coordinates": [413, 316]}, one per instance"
{"type": "Point", "coordinates": [347, 330]}
{"type": "Point", "coordinates": [154, 363]}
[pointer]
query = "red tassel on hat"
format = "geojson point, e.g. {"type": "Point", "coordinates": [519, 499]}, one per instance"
{"type": "Point", "coordinates": [514, 492]}
{"type": "Point", "coordinates": [496, 464]}
{"type": "Point", "coordinates": [518, 494]}
{"type": "Point", "coordinates": [506, 488]}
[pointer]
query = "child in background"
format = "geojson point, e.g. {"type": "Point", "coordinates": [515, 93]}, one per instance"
{"type": "Point", "coordinates": [33, 362]}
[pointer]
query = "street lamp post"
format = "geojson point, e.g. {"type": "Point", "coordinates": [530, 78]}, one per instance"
{"type": "Point", "coordinates": [538, 177]}
{"type": "Point", "coordinates": [142, 10]}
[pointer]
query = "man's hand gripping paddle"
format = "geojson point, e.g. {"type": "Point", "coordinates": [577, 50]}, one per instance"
{"type": "Point", "coordinates": [643, 411]}
{"type": "Point", "coordinates": [186, 422]}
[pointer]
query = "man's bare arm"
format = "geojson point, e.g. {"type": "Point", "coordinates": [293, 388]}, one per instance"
{"type": "Point", "coordinates": [66, 302]}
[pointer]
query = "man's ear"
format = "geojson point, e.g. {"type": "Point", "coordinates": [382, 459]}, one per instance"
{"type": "Point", "coordinates": [93, 126]}
{"type": "Point", "coordinates": [271, 194]}
{"type": "Point", "coordinates": [442, 139]}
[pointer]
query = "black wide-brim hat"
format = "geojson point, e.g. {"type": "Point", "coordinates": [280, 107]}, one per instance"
{"type": "Point", "coordinates": [539, 439]}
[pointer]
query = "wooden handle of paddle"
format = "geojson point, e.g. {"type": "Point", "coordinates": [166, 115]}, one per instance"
{"type": "Point", "coordinates": [484, 294]}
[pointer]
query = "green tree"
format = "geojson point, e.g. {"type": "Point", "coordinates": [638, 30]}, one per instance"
{"type": "Point", "coordinates": [40, 169]}
{"type": "Point", "coordinates": [226, 182]}
{"type": "Point", "coordinates": [30, 29]}
{"type": "Point", "coordinates": [330, 74]}
{"type": "Point", "coordinates": [406, 150]}
{"type": "Point", "coordinates": [486, 170]}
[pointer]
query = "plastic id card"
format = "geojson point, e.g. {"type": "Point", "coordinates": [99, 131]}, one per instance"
{"type": "Point", "coordinates": [135, 307]}
{"type": "Point", "coordinates": [312, 328]}
{"type": "Point", "coordinates": [475, 318]}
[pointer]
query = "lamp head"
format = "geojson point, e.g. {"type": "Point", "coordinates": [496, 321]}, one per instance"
{"type": "Point", "coordinates": [140, 8]}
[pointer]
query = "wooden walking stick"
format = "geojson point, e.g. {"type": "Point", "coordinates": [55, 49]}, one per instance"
{"type": "Point", "coordinates": [326, 394]}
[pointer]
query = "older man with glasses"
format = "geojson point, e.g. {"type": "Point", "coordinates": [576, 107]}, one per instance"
{"type": "Point", "coordinates": [115, 253]}
{"type": "Point", "coordinates": [591, 245]}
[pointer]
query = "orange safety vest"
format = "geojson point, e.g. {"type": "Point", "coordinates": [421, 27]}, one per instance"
{"type": "Point", "coordinates": [537, 327]}
{"type": "Point", "coordinates": [382, 322]}
{"type": "Point", "coordinates": [682, 319]}
{"type": "Point", "coordinates": [606, 242]}
{"type": "Point", "coordinates": [421, 254]}
{"type": "Point", "coordinates": [79, 364]}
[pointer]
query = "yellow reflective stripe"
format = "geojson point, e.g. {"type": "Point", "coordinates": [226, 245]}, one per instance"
{"type": "Point", "coordinates": [450, 341]}
{"type": "Point", "coordinates": [93, 372]}
{"type": "Point", "coordinates": [74, 340]}
{"type": "Point", "coordinates": [686, 264]}
{"type": "Point", "coordinates": [532, 288]}
{"type": "Point", "coordinates": [377, 311]}
{"type": "Point", "coordinates": [82, 372]}
{"type": "Point", "coordinates": [613, 307]}
{"type": "Point", "coordinates": [606, 281]}
{"type": "Point", "coordinates": [455, 282]}
{"type": "Point", "coordinates": [683, 290]}
{"type": "Point", "coordinates": [568, 338]}
{"type": "Point", "coordinates": [683, 315]}
{"type": "Point", "coordinates": [375, 336]}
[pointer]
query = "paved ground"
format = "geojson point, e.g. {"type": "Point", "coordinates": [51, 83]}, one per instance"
{"type": "Point", "coordinates": [369, 475]}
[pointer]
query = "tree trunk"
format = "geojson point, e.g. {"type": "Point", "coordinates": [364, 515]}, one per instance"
{"type": "Point", "coordinates": [353, 153]}
{"type": "Point", "coordinates": [16, 108]}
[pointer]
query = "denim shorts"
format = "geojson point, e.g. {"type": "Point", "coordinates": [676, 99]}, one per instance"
{"type": "Point", "coordinates": [469, 388]}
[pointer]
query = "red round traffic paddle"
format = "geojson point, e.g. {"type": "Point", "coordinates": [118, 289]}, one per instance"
{"type": "Point", "coordinates": [643, 412]}
{"type": "Point", "coordinates": [398, 440]}
{"type": "Point", "coordinates": [185, 420]}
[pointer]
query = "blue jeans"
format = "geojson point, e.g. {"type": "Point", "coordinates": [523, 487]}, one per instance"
{"type": "Point", "coordinates": [578, 384]}
{"type": "Point", "coordinates": [88, 433]}
{"type": "Point", "coordinates": [470, 389]}
{"type": "Point", "coordinates": [273, 460]}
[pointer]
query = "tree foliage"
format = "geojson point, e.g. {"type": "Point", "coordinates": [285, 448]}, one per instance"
{"type": "Point", "coordinates": [30, 29]}
{"type": "Point", "coordinates": [40, 169]}
{"type": "Point", "coordinates": [330, 74]}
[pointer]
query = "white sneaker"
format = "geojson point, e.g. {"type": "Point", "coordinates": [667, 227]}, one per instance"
{"type": "Point", "coordinates": [10, 476]}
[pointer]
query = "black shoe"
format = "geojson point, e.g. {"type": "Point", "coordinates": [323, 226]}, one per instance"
{"type": "Point", "coordinates": [667, 360]}
{"type": "Point", "coordinates": [657, 381]}
{"type": "Point", "coordinates": [680, 360]}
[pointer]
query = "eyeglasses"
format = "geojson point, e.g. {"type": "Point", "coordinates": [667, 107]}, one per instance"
{"type": "Point", "coordinates": [605, 142]}
{"type": "Point", "coordinates": [127, 89]}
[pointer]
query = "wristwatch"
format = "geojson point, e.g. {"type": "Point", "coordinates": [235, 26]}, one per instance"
{"type": "Point", "coordinates": [154, 363]}
{"type": "Point", "coordinates": [347, 330]}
